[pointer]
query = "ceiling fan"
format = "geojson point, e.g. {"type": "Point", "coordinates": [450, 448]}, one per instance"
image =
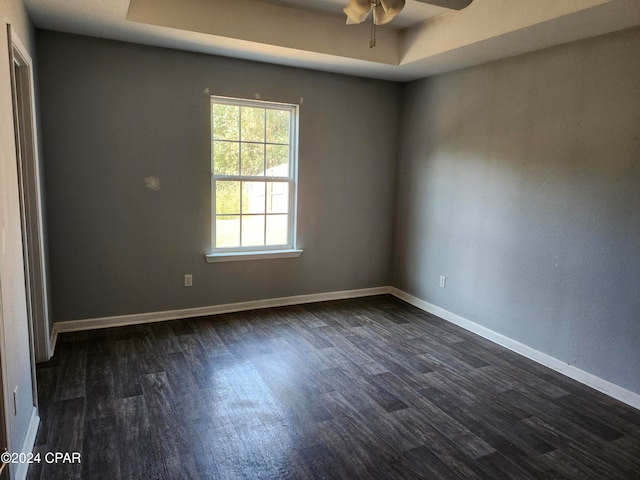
{"type": "Point", "coordinates": [385, 10]}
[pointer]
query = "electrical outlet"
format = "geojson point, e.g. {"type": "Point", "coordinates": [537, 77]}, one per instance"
{"type": "Point", "coordinates": [443, 281]}
{"type": "Point", "coordinates": [15, 400]}
{"type": "Point", "coordinates": [188, 280]}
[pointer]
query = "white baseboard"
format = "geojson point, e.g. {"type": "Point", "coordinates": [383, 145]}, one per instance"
{"type": "Point", "coordinates": [586, 378]}
{"type": "Point", "coordinates": [122, 320]}
{"type": "Point", "coordinates": [53, 341]}
{"type": "Point", "coordinates": [28, 444]}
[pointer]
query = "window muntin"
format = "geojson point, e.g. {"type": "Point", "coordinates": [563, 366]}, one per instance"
{"type": "Point", "coordinates": [253, 165]}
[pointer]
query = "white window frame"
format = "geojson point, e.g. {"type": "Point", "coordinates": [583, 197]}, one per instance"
{"type": "Point", "coordinates": [226, 254]}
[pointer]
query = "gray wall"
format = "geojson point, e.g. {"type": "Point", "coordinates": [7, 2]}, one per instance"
{"type": "Point", "coordinates": [115, 113]}
{"type": "Point", "coordinates": [520, 180]}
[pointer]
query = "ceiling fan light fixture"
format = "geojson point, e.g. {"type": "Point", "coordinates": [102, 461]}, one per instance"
{"type": "Point", "coordinates": [357, 11]}
{"type": "Point", "coordinates": [392, 7]}
{"type": "Point", "coordinates": [380, 16]}
{"type": "Point", "coordinates": [385, 10]}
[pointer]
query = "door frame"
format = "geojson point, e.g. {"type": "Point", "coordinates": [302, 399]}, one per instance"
{"type": "Point", "coordinates": [31, 205]}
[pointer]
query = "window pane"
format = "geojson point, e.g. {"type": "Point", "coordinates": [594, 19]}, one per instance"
{"type": "Point", "coordinates": [253, 197]}
{"type": "Point", "coordinates": [251, 140]}
{"type": "Point", "coordinates": [252, 230]}
{"type": "Point", "coordinates": [227, 231]}
{"type": "Point", "coordinates": [225, 122]}
{"type": "Point", "coordinates": [227, 197]}
{"type": "Point", "coordinates": [277, 227]}
{"type": "Point", "coordinates": [225, 158]}
{"type": "Point", "coordinates": [278, 160]}
{"type": "Point", "coordinates": [252, 124]}
{"type": "Point", "coordinates": [277, 197]}
{"type": "Point", "coordinates": [277, 126]}
{"type": "Point", "coordinates": [252, 159]}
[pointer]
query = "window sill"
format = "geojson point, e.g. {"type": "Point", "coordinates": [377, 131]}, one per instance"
{"type": "Point", "coordinates": [242, 256]}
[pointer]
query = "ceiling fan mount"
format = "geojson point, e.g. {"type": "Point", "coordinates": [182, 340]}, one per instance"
{"type": "Point", "coordinates": [384, 11]}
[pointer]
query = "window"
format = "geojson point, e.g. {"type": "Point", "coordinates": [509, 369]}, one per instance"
{"type": "Point", "coordinates": [253, 172]}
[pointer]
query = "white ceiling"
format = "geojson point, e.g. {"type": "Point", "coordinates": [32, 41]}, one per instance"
{"type": "Point", "coordinates": [423, 40]}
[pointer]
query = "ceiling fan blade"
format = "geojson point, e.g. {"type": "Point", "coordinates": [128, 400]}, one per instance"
{"type": "Point", "coordinates": [452, 4]}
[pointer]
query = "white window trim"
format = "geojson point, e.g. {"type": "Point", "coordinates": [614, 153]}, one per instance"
{"type": "Point", "coordinates": [288, 250]}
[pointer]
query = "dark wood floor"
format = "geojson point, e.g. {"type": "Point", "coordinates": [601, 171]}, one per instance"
{"type": "Point", "coordinates": [356, 389]}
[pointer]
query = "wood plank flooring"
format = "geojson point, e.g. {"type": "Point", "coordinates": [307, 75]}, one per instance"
{"type": "Point", "coordinates": [357, 389]}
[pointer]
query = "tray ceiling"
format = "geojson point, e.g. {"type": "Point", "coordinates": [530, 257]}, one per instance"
{"type": "Point", "coordinates": [423, 40]}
